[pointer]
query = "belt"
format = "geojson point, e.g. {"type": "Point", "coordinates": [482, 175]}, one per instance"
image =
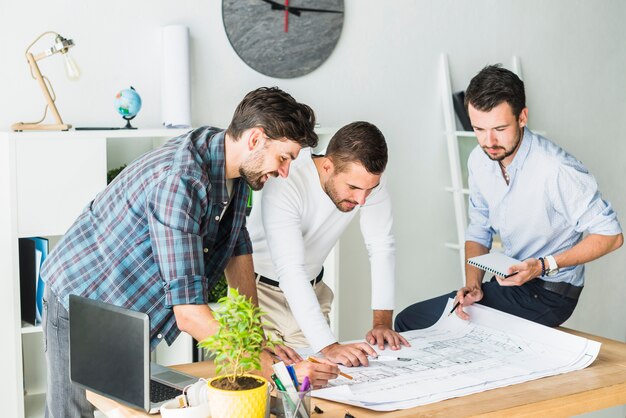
{"type": "Point", "coordinates": [271, 282]}
{"type": "Point", "coordinates": [561, 288]}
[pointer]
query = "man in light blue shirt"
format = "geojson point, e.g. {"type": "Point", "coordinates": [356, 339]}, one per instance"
{"type": "Point", "coordinates": [538, 198]}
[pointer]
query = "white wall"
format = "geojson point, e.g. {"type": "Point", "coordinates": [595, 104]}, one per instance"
{"type": "Point", "coordinates": [385, 70]}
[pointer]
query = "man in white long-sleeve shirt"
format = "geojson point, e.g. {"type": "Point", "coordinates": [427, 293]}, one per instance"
{"type": "Point", "coordinates": [296, 224]}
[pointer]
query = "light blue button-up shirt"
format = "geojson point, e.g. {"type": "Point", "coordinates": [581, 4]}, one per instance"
{"type": "Point", "coordinates": [550, 201]}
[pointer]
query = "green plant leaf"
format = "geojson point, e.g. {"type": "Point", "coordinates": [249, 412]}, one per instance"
{"type": "Point", "coordinates": [238, 344]}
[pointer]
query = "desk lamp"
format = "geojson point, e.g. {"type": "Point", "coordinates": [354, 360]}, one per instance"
{"type": "Point", "coordinates": [61, 45]}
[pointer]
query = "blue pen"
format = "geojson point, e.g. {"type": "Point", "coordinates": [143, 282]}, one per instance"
{"type": "Point", "coordinates": [292, 373]}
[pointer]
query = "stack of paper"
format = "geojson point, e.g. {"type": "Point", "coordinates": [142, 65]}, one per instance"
{"type": "Point", "coordinates": [455, 358]}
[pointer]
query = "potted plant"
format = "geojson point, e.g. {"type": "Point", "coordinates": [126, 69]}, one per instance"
{"type": "Point", "coordinates": [237, 347]}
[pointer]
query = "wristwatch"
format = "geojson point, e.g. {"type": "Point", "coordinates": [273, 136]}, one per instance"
{"type": "Point", "coordinates": [553, 268]}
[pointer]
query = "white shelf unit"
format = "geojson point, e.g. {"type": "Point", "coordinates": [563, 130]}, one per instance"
{"type": "Point", "coordinates": [46, 179]}
{"type": "Point", "coordinates": [459, 144]}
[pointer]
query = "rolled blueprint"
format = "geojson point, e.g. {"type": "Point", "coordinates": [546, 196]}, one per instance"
{"type": "Point", "coordinates": [175, 78]}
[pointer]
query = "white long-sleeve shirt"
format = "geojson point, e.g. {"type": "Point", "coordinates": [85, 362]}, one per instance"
{"type": "Point", "coordinates": [294, 226]}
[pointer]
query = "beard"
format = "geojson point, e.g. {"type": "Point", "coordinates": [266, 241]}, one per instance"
{"type": "Point", "coordinates": [251, 170]}
{"type": "Point", "coordinates": [507, 153]}
{"type": "Point", "coordinates": [344, 205]}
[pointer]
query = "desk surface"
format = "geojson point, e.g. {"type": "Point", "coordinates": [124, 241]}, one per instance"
{"type": "Point", "coordinates": [601, 385]}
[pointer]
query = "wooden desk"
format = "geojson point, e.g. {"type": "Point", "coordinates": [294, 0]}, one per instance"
{"type": "Point", "coordinates": [601, 385]}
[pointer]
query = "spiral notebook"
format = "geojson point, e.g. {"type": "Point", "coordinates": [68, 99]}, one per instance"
{"type": "Point", "coordinates": [496, 263]}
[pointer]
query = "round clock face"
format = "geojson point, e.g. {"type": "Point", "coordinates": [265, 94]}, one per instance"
{"type": "Point", "coordinates": [283, 38]}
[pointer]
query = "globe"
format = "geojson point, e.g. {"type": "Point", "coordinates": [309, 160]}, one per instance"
{"type": "Point", "coordinates": [128, 104]}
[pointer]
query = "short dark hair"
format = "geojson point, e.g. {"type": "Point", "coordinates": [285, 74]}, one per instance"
{"type": "Point", "coordinates": [277, 113]}
{"type": "Point", "coordinates": [494, 85]}
{"type": "Point", "coordinates": [359, 142]}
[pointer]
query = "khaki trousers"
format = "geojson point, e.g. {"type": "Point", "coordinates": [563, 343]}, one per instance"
{"type": "Point", "coordinates": [281, 324]}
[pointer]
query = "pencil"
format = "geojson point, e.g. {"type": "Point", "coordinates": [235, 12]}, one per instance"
{"type": "Point", "coordinates": [456, 305]}
{"type": "Point", "coordinates": [314, 360]}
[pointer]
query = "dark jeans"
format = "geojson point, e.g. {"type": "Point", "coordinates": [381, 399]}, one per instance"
{"type": "Point", "coordinates": [63, 398]}
{"type": "Point", "coordinates": [529, 301]}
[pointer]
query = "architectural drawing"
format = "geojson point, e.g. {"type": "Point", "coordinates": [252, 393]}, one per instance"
{"type": "Point", "coordinates": [456, 357]}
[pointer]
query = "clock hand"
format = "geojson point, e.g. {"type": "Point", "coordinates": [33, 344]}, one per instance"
{"type": "Point", "coordinates": [286, 15]}
{"type": "Point", "coordinates": [277, 6]}
{"type": "Point", "coordinates": [295, 10]}
{"type": "Point", "coordinates": [288, 9]}
{"type": "Point", "coordinates": [281, 7]}
{"type": "Point", "coordinates": [306, 9]}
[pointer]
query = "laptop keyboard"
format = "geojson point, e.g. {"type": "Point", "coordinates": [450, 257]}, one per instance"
{"type": "Point", "coordinates": [160, 392]}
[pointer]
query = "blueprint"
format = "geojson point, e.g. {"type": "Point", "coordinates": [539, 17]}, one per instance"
{"type": "Point", "coordinates": [456, 357]}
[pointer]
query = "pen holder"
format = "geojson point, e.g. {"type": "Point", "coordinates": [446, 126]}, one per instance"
{"type": "Point", "coordinates": [293, 404]}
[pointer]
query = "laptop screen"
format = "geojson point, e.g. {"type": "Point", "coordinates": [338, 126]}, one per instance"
{"type": "Point", "coordinates": [110, 350]}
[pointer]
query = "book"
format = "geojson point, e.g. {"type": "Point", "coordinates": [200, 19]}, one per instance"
{"type": "Point", "coordinates": [41, 249]}
{"type": "Point", "coordinates": [32, 253]}
{"type": "Point", "coordinates": [496, 263]}
{"type": "Point", "coordinates": [28, 279]}
{"type": "Point", "coordinates": [458, 100]}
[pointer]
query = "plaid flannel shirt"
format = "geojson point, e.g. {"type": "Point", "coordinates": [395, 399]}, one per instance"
{"type": "Point", "coordinates": [156, 237]}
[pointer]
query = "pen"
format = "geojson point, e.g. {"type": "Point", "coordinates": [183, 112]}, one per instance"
{"type": "Point", "coordinates": [389, 358]}
{"type": "Point", "coordinates": [314, 360]}
{"type": "Point", "coordinates": [509, 275]}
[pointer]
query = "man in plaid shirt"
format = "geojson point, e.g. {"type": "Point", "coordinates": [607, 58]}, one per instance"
{"type": "Point", "coordinates": [167, 228]}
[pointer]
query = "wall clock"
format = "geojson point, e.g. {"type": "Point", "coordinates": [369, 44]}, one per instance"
{"type": "Point", "coordinates": [283, 38]}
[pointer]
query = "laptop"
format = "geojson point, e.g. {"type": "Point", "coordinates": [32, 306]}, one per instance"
{"type": "Point", "coordinates": [110, 355]}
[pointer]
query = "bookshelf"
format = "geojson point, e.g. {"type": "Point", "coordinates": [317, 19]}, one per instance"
{"type": "Point", "coordinates": [460, 144]}
{"type": "Point", "coordinates": [46, 179]}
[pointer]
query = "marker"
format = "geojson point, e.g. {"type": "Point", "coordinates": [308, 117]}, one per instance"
{"type": "Point", "coordinates": [279, 384]}
{"type": "Point", "coordinates": [306, 384]}
{"type": "Point", "coordinates": [292, 374]}
{"type": "Point", "coordinates": [314, 360]}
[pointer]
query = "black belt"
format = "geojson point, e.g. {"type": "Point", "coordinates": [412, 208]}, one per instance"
{"type": "Point", "coordinates": [271, 282]}
{"type": "Point", "coordinates": [561, 288]}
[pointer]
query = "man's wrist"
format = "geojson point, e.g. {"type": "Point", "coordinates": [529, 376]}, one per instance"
{"type": "Point", "coordinates": [543, 266]}
{"type": "Point", "coordinates": [472, 285]}
{"type": "Point", "coordinates": [328, 348]}
{"type": "Point", "coordinates": [382, 318]}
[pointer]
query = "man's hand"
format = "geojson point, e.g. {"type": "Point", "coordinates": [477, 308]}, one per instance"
{"type": "Point", "coordinates": [319, 373]}
{"type": "Point", "coordinates": [267, 360]}
{"type": "Point", "coordinates": [350, 355]}
{"type": "Point", "coordinates": [381, 334]}
{"type": "Point", "coordinates": [526, 270]}
{"type": "Point", "coordinates": [467, 296]}
{"type": "Point", "coordinates": [286, 354]}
